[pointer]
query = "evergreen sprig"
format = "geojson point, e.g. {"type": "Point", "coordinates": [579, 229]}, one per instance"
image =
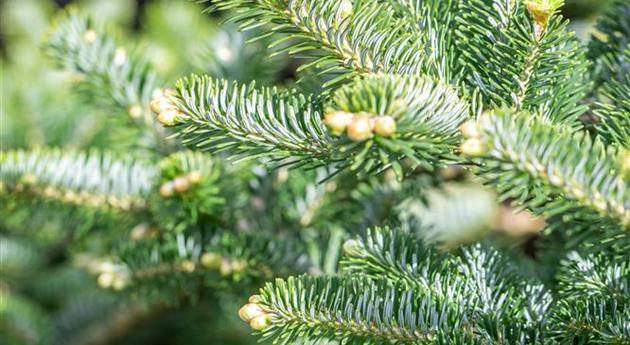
{"type": "Point", "coordinates": [221, 115]}
{"type": "Point", "coordinates": [413, 304]}
{"type": "Point", "coordinates": [594, 300]}
{"type": "Point", "coordinates": [548, 165]}
{"type": "Point", "coordinates": [288, 126]}
{"type": "Point", "coordinates": [434, 23]}
{"type": "Point", "coordinates": [610, 50]}
{"type": "Point", "coordinates": [342, 36]}
{"type": "Point", "coordinates": [516, 61]}
{"type": "Point", "coordinates": [95, 178]}
{"type": "Point", "coordinates": [109, 74]}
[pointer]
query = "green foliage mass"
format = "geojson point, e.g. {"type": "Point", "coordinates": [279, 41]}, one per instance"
{"type": "Point", "coordinates": [381, 172]}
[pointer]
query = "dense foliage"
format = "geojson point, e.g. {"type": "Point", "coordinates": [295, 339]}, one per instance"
{"type": "Point", "coordinates": [431, 172]}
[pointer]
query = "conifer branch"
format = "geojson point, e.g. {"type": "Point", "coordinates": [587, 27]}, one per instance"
{"type": "Point", "coordinates": [400, 258]}
{"type": "Point", "coordinates": [419, 118]}
{"type": "Point", "coordinates": [594, 300]}
{"type": "Point", "coordinates": [219, 115]}
{"type": "Point", "coordinates": [168, 265]}
{"type": "Point", "coordinates": [434, 23]}
{"type": "Point", "coordinates": [610, 50]}
{"type": "Point", "coordinates": [517, 59]}
{"type": "Point", "coordinates": [357, 37]}
{"type": "Point", "coordinates": [352, 310]}
{"type": "Point", "coordinates": [554, 174]}
{"type": "Point", "coordinates": [415, 304]}
{"type": "Point", "coordinates": [121, 80]}
{"type": "Point", "coordinates": [93, 179]}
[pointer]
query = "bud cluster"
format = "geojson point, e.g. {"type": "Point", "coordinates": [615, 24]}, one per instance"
{"type": "Point", "coordinates": [254, 313]}
{"type": "Point", "coordinates": [164, 106]}
{"type": "Point", "coordinates": [30, 184]}
{"type": "Point", "coordinates": [474, 145]}
{"type": "Point", "coordinates": [225, 266]}
{"type": "Point", "coordinates": [181, 184]}
{"type": "Point", "coordinates": [360, 127]}
{"type": "Point", "coordinates": [113, 276]}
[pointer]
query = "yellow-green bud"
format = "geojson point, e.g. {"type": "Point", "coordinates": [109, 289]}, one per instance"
{"type": "Point", "coordinates": [470, 129]}
{"type": "Point", "coordinates": [120, 281]}
{"type": "Point", "coordinates": [353, 248]}
{"type": "Point", "coordinates": [250, 311]}
{"type": "Point", "coordinates": [188, 266]}
{"type": "Point", "coordinates": [261, 322]}
{"type": "Point", "coordinates": [225, 269]}
{"type": "Point", "coordinates": [360, 129]}
{"type": "Point", "coordinates": [135, 111]}
{"type": "Point", "coordinates": [90, 36]}
{"type": "Point", "coordinates": [338, 121]}
{"type": "Point", "coordinates": [385, 126]}
{"type": "Point", "coordinates": [239, 265]}
{"type": "Point", "coordinates": [211, 260]}
{"type": "Point", "coordinates": [194, 177]}
{"type": "Point", "coordinates": [181, 184]}
{"type": "Point", "coordinates": [140, 232]}
{"type": "Point", "coordinates": [542, 10]}
{"type": "Point", "coordinates": [105, 279]}
{"type": "Point", "coordinates": [473, 147]}
{"type": "Point", "coordinates": [167, 190]}
{"type": "Point", "coordinates": [170, 117]}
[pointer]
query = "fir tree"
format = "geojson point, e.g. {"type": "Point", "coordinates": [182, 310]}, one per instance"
{"type": "Point", "coordinates": [361, 198]}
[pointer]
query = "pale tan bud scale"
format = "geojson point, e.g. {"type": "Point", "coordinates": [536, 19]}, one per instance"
{"type": "Point", "coordinates": [473, 147]}
{"type": "Point", "coordinates": [170, 117]}
{"type": "Point", "coordinates": [360, 129]}
{"type": "Point", "coordinates": [167, 190]}
{"type": "Point", "coordinates": [181, 184]}
{"type": "Point", "coordinates": [250, 311]}
{"type": "Point", "coordinates": [135, 111]}
{"type": "Point", "coordinates": [470, 129]}
{"type": "Point", "coordinates": [194, 177]}
{"type": "Point", "coordinates": [338, 121]}
{"type": "Point", "coordinates": [140, 232]}
{"type": "Point", "coordinates": [90, 36]}
{"type": "Point", "coordinates": [105, 279]}
{"type": "Point", "coordinates": [260, 323]}
{"type": "Point", "coordinates": [188, 266]}
{"type": "Point", "coordinates": [385, 126]}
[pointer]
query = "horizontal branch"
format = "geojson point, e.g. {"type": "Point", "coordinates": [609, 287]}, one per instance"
{"type": "Point", "coordinates": [550, 166]}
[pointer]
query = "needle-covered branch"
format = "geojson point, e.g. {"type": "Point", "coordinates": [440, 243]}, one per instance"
{"type": "Point", "coordinates": [610, 50]}
{"type": "Point", "coordinates": [550, 169]}
{"type": "Point", "coordinates": [109, 75]}
{"type": "Point", "coordinates": [346, 37]}
{"type": "Point", "coordinates": [382, 120]}
{"type": "Point", "coordinates": [520, 54]}
{"type": "Point", "coordinates": [91, 179]}
{"type": "Point", "coordinates": [487, 303]}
